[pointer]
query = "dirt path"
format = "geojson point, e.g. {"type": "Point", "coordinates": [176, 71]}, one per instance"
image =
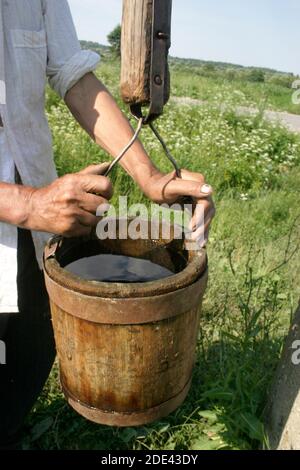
{"type": "Point", "coordinates": [291, 121]}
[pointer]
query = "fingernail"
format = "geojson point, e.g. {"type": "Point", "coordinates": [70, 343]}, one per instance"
{"type": "Point", "coordinates": [206, 189]}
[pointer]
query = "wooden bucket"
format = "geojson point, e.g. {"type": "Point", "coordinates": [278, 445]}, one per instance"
{"type": "Point", "coordinates": [126, 351]}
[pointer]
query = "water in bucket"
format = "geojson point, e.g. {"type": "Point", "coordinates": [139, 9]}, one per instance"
{"type": "Point", "coordinates": [117, 268]}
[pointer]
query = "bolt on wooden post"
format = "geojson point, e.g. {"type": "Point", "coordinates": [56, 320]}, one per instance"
{"type": "Point", "coordinates": [138, 47]}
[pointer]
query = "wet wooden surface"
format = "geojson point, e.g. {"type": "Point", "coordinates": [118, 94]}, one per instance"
{"type": "Point", "coordinates": [125, 368]}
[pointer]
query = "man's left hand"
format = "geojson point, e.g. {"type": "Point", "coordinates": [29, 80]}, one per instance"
{"type": "Point", "coordinates": [169, 188]}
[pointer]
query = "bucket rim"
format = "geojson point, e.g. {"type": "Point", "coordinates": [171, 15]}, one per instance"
{"type": "Point", "coordinates": [196, 268]}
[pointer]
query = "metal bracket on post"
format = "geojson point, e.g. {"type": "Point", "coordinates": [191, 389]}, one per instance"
{"type": "Point", "coordinates": [159, 75]}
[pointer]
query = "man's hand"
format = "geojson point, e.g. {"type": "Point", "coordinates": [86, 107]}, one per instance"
{"type": "Point", "coordinates": [68, 206]}
{"type": "Point", "coordinates": [97, 112]}
{"type": "Point", "coordinates": [169, 188]}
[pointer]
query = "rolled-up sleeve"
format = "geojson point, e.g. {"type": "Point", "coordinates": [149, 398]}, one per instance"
{"type": "Point", "coordinates": [67, 63]}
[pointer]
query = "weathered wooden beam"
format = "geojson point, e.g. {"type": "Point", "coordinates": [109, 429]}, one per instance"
{"type": "Point", "coordinates": [136, 49]}
{"type": "Point", "coordinates": [282, 414]}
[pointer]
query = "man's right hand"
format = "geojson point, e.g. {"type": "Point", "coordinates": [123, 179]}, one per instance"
{"type": "Point", "coordinates": [69, 205]}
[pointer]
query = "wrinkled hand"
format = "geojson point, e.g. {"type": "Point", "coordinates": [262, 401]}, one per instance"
{"type": "Point", "coordinates": [169, 188]}
{"type": "Point", "coordinates": [69, 205]}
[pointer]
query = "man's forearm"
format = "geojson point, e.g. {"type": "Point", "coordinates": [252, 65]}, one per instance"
{"type": "Point", "coordinates": [97, 112]}
{"type": "Point", "coordinates": [15, 204]}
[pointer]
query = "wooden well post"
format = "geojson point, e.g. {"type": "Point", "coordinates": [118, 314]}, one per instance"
{"type": "Point", "coordinates": [145, 42]}
{"type": "Point", "coordinates": [282, 414]}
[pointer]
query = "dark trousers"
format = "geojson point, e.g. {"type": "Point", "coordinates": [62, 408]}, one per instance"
{"type": "Point", "coordinates": [29, 341]}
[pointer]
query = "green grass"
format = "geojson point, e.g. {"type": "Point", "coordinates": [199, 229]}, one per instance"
{"type": "Point", "coordinates": [208, 88]}
{"type": "Point", "coordinates": [253, 290]}
{"type": "Point", "coordinates": [218, 87]}
{"type": "Point", "coordinates": [210, 81]}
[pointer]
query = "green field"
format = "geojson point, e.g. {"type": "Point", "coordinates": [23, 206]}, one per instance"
{"type": "Point", "coordinates": [240, 87]}
{"type": "Point", "coordinates": [254, 261]}
{"type": "Point", "coordinates": [220, 82]}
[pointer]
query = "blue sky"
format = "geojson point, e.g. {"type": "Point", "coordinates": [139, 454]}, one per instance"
{"type": "Point", "coordinates": [262, 33]}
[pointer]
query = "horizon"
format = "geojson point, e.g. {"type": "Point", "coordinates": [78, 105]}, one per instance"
{"type": "Point", "coordinates": [256, 34]}
{"type": "Point", "coordinates": [209, 61]}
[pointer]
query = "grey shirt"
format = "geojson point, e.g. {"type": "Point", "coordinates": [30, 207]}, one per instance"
{"type": "Point", "coordinates": [37, 41]}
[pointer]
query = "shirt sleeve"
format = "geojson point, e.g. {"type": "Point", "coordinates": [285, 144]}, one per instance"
{"type": "Point", "coordinates": [67, 63]}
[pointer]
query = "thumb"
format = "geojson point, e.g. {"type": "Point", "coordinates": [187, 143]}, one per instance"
{"type": "Point", "coordinates": [194, 189]}
{"type": "Point", "coordinates": [98, 169]}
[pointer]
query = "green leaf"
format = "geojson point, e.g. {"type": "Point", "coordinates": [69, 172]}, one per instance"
{"type": "Point", "coordinates": [216, 394]}
{"type": "Point", "coordinates": [215, 428]}
{"type": "Point", "coordinates": [276, 278]}
{"type": "Point", "coordinates": [282, 296]}
{"type": "Point", "coordinates": [209, 415]}
{"type": "Point", "coordinates": [163, 429]}
{"type": "Point", "coordinates": [204, 443]}
{"type": "Point", "coordinates": [41, 428]}
{"type": "Point", "coordinates": [127, 435]}
{"type": "Point", "coordinates": [230, 336]}
{"type": "Point", "coordinates": [253, 426]}
{"type": "Point", "coordinates": [170, 445]}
